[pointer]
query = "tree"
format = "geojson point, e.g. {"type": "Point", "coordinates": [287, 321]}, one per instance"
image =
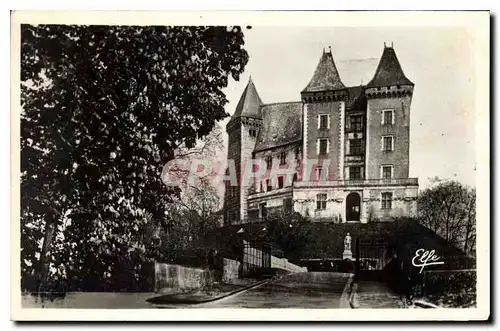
{"type": "Point", "coordinates": [103, 109]}
{"type": "Point", "coordinates": [449, 209]}
{"type": "Point", "coordinates": [194, 213]}
{"type": "Point", "coordinates": [290, 232]}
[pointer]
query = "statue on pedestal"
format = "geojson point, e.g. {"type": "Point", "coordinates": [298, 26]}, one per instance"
{"type": "Point", "coordinates": [347, 242]}
{"type": "Point", "coordinates": [347, 247]}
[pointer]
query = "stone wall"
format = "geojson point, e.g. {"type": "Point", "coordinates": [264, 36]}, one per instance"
{"type": "Point", "coordinates": [231, 270]}
{"type": "Point", "coordinates": [304, 202]}
{"type": "Point", "coordinates": [400, 130]}
{"type": "Point", "coordinates": [283, 264]}
{"type": "Point", "coordinates": [247, 146]}
{"type": "Point", "coordinates": [404, 202]}
{"type": "Point", "coordinates": [232, 201]}
{"type": "Point", "coordinates": [173, 277]}
{"type": "Point", "coordinates": [177, 278]}
{"type": "Point", "coordinates": [334, 134]}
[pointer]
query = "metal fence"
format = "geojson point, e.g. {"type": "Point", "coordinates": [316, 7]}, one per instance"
{"type": "Point", "coordinates": [256, 259]}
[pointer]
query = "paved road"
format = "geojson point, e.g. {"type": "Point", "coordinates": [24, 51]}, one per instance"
{"type": "Point", "coordinates": [372, 294]}
{"type": "Point", "coordinates": [92, 300]}
{"type": "Point", "coordinates": [301, 290]}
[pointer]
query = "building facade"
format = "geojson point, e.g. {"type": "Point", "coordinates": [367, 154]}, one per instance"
{"type": "Point", "coordinates": [341, 154]}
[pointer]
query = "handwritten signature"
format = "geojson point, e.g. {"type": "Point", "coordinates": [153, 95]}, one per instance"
{"type": "Point", "coordinates": [425, 258]}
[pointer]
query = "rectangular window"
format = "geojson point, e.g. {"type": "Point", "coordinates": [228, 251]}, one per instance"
{"type": "Point", "coordinates": [355, 173]}
{"type": "Point", "coordinates": [261, 187]}
{"type": "Point", "coordinates": [294, 177]}
{"type": "Point", "coordinates": [269, 162]}
{"type": "Point", "coordinates": [281, 180]}
{"type": "Point", "coordinates": [387, 116]}
{"type": "Point", "coordinates": [323, 121]}
{"type": "Point", "coordinates": [252, 132]}
{"type": "Point", "coordinates": [269, 185]}
{"type": "Point", "coordinates": [387, 172]}
{"type": "Point", "coordinates": [322, 173]}
{"type": "Point", "coordinates": [387, 143]}
{"type": "Point", "coordinates": [283, 158]}
{"type": "Point", "coordinates": [355, 146]}
{"type": "Point", "coordinates": [387, 200]}
{"type": "Point", "coordinates": [356, 123]}
{"type": "Point", "coordinates": [321, 201]}
{"type": "Point", "coordinates": [323, 146]}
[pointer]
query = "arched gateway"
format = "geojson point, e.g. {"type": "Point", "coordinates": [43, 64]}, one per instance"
{"type": "Point", "coordinates": [353, 207]}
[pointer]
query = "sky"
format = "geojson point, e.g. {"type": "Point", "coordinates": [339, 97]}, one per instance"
{"type": "Point", "coordinates": [439, 61]}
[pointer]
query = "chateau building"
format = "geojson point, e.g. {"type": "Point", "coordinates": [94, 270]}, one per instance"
{"type": "Point", "coordinates": [341, 154]}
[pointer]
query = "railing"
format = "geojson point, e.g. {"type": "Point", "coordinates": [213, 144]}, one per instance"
{"type": "Point", "coordinates": [255, 194]}
{"type": "Point", "coordinates": [358, 182]}
{"type": "Point", "coordinates": [345, 182]}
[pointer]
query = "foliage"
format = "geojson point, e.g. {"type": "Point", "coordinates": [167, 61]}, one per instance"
{"type": "Point", "coordinates": [188, 219]}
{"type": "Point", "coordinates": [103, 109]}
{"type": "Point", "coordinates": [449, 209]}
{"type": "Point", "coordinates": [289, 232]}
{"type": "Point", "coordinates": [455, 288]}
{"type": "Point", "coordinates": [194, 213]}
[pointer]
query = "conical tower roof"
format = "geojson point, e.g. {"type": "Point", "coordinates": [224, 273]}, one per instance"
{"type": "Point", "coordinates": [389, 71]}
{"type": "Point", "coordinates": [326, 77]}
{"type": "Point", "coordinates": [249, 104]}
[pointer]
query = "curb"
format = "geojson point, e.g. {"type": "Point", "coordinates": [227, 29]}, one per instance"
{"type": "Point", "coordinates": [353, 303]}
{"type": "Point", "coordinates": [344, 299]}
{"type": "Point", "coordinates": [249, 287]}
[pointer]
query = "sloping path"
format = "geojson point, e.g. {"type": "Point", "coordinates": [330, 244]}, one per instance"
{"type": "Point", "coordinates": [300, 290]}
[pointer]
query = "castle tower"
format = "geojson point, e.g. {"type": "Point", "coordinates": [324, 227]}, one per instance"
{"type": "Point", "coordinates": [389, 96]}
{"type": "Point", "coordinates": [323, 117]}
{"type": "Point", "coordinates": [242, 129]}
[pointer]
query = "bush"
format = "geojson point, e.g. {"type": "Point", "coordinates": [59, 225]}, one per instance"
{"type": "Point", "coordinates": [436, 282]}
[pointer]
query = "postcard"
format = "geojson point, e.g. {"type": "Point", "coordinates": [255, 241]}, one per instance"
{"type": "Point", "coordinates": [255, 166]}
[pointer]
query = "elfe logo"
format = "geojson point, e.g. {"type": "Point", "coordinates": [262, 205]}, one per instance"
{"type": "Point", "coordinates": [425, 258]}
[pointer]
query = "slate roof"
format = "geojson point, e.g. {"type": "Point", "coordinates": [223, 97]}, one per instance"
{"type": "Point", "coordinates": [281, 124]}
{"type": "Point", "coordinates": [357, 98]}
{"type": "Point", "coordinates": [325, 77]}
{"type": "Point", "coordinates": [249, 104]}
{"type": "Point", "coordinates": [389, 71]}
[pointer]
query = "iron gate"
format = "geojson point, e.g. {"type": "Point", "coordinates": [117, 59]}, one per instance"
{"type": "Point", "coordinates": [371, 257]}
{"type": "Point", "coordinates": [256, 259]}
